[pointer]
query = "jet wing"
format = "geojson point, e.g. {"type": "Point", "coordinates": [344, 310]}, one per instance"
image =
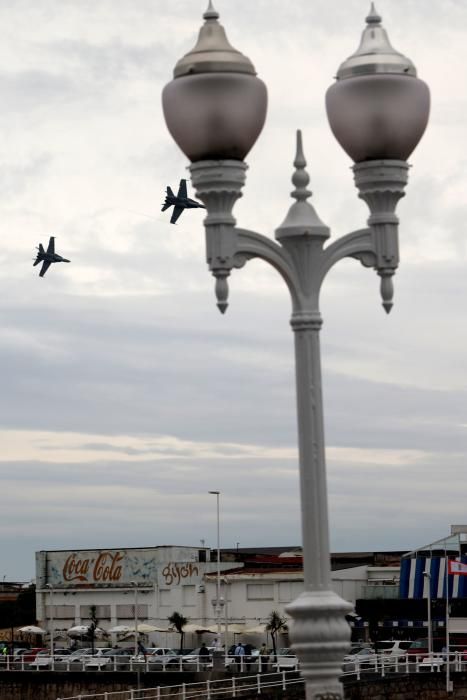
{"type": "Point", "coordinates": [45, 266]}
{"type": "Point", "coordinates": [175, 214]}
{"type": "Point", "coordinates": [51, 246]}
{"type": "Point", "coordinates": [182, 189]}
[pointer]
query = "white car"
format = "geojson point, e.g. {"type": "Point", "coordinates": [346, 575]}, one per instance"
{"type": "Point", "coordinates": [159, 658]}
{"type": "Point", "coordinates": [394, 648]}
{"type": "Point", "coordinates": [285, 660]}
{"type": "Point", "coordinates": [195, 662]}
{"type": "Point", "coordinates": [362, 659]}
{"type": "Point", "coordinates": [110, 659]}
{"type": "Point", "coordinates": [44, 658]}
{"type": "Point", "coordinates": [432, 663]}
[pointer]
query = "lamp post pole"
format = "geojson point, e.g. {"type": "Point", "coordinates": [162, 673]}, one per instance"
{"type": "Point", "coordinates": [52, 619]}
{"type": "Point", "coordinates": [215, 108]}
{"type": "Point", "coordinates": [135, 585]}
{"type": "Point", "coordinates": [427, 575]}
{"type": "Point", "coordinates": [218, 580]}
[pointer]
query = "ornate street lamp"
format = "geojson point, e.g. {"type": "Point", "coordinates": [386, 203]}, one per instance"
{"type": "Point", "coordinates": [378, 109]}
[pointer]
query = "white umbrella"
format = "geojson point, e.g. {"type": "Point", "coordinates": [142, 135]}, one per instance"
{"type": "Point", "coordinates": [259, 629]}
{"type": "Point", "coordinates": [83, 631]}
{"type": "Point", "coordinates": [195, 628]}
{"type": "Point", "coordinates": [32, 629]}
{"type": "Point", "coordinates": [119, 629]}
{"type": "Point", "coordinates": [236, 628]}
{"type": "Point", "coordinates": [144, 628]}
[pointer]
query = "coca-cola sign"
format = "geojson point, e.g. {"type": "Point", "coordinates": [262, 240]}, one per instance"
{"type": "Point", "coordinates": [106, 567]}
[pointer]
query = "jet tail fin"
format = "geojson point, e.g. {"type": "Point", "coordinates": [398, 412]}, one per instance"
{"type": "Point", "coordinates": [169, 192]}
{"type": "Point", "coordinates": [165, 206]}
{"type": "Point", "coordinates": [40, 254]}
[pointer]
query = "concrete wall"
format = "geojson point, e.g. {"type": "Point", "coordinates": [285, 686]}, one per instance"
{"type": "Point", "coordinates": [26, 686]}
{"type": "Point", "coordinates": [420, 686]}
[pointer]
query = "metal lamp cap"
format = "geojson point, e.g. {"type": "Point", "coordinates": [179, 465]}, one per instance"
{"type": "Point", "coordinates": [213, 53]}
{"type": "Point", "coordinates": [375, 53]}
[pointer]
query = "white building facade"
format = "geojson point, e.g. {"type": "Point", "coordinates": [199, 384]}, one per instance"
{"type": "Point", "coordinates": [146, 585]}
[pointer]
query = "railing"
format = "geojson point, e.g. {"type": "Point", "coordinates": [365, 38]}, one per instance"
{"type": "Point", "coordinates": [208, 690]}
{"type": "Point", "coordinates": [150, 663]}
{"type": "Point", "coordinates": [381, 665]}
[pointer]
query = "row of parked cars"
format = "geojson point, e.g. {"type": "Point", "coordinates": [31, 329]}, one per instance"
{"type": "Point", "coordinates": [394, 653]}
{"type": "Point", "coordinates": [155, 659]}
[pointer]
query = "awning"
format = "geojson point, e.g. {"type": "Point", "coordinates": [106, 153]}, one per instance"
{"type": "Point", "coordinates": [196, 629]}
{"type": "Point", "coordinates": [258, 629]}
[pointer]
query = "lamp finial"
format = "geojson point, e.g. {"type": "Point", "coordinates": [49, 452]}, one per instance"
{"type": "Point", "coordinates": [211, 13]}
{"type": "Point", "coordinates": [373, 17]}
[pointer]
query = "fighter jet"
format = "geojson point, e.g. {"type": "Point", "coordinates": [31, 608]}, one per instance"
{"type": "Point", "coordinates": [179, 202]}
{"type": "Point", "coordinates": [47, 257]}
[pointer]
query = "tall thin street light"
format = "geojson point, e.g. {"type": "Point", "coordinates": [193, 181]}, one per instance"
{"type": "Point", "coordinates": [135, 585]}
{"type": "Point", "coordinates": [427, 575]}
{"type": "Point", "coordinates": [218, 586]}
{"type": "Point", "coordinates": [215, 108]}
{"type": "Point", "coordinates": [52, 620]}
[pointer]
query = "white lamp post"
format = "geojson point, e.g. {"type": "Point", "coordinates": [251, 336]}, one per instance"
{"type": "Point", "coordinates": [218, 581]}
{"type": "Point", "coordinates": [215, 108]}
{"type": "Point", "coordinates": [427, 575]}
{"type": "Point", "coordinates": [52, 620]}
{"type": "Point", "coordinates": [135, 586]}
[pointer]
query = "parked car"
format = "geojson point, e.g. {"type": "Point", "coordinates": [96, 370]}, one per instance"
{"type": "Point", "coordinates": [394, 648]}
{"type": "Point", "coordinates": [44, 658]}
{"type": "Point", "coordinates": [27, 657]}
{"type": "Point", "coordinates": [159, 658]}
{"type": "Point", "coordinates": [77, 659]}
{"type": "Point", "coordinates": [364, 658]}
{"type": "Point", "coordinates": [18, 651]}
{"type": "Point", "coordinates": [418, 649]}
{"type": "Point", "coordinates": [285, 660]}
{"type": "Point", "coordinates": [110, 659]}
{"type": "Point", "coordinates": [432, 663]}
{"type": "Point", "coordinates": [195, 662]}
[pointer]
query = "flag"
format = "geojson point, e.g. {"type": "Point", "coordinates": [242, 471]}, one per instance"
{"type": "Point", "coordinates": [457, 568]}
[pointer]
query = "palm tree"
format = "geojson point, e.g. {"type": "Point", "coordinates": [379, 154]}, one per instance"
{"type": "Point", "coordinates": [178, 621]}
{"type": "Point", "coordinates": [274, 624]}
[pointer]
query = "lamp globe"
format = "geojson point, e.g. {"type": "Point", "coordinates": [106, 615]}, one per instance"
{"type": "Point", "coordinates": [215, 106]}
{"type": "Point", "coordinates": [377, 108]}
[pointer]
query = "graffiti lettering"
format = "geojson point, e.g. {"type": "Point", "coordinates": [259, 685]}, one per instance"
{"type": "Point", "coordinates": [173, 573]}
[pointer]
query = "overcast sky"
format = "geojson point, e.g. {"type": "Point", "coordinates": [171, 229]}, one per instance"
{"type": "Point", "coordinates": [125, 395]}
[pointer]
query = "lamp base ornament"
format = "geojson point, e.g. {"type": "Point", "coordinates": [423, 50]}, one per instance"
{"type": "Point", "coordinates": [320, 637]}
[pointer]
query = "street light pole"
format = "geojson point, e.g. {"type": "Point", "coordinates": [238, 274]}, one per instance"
{"type": "Point", "coordinates": [218, 582]}
{"type": "Point", "coordinates": [427, 575]}
{"type": "Point", "coordinates": [52, 619]}
{"type": "Point", "coordinates": [215, 108]}
{"type": "Point", "coordinates": [135, 585]}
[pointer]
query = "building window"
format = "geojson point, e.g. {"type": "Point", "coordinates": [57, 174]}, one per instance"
{"type": "Point", "coordinates": [189, 595]}
{"type": "Point", "coordinates": [127, 612]}
{"type": "Point", "coordinates": [60, 612]}
{"type": "Point", "coordinates": [289, 590]}
{"type": "Point", "coordinates": [260, 591]}
{"type": "Point", "coordinates": [102, 612]}
{"type": "Point", "coordinates": [164, 597]}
